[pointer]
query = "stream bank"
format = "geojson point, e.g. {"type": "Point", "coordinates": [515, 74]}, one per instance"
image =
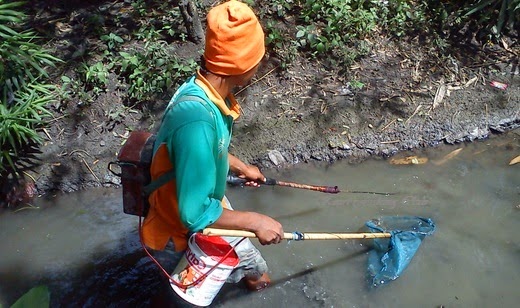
{"type": "Point", "coordinates": [309, 114]}
{"type": "Point", "coordinates": [402, 96]}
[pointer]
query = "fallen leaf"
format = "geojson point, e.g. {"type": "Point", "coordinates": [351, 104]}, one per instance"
{"type": "Point", "coordinates": [515, 160]}
{"type": "Point", "coordinates": [409, 160]}
{"type": "Point", "coordinates": [439, 95]}
{"type": "Point", "coordinates": [504, 43]}
{"type": "Point", "coordinates": [447, 157]}
{"type": "Point", "coordinates": [470, 82]}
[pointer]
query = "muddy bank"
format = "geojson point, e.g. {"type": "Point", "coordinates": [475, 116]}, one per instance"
{"type": "Point", "coordinates": [402, 96]}
{"type": "Point", "coordinates": [303, 115]}
{"type": "Point", "coordinates": [327, 121]}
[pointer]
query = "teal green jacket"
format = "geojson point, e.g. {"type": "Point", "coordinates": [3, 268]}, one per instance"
{"type": "Point", "coordinates": [197, 137]}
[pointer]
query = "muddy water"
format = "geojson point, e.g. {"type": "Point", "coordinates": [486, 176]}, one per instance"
{"type": "Point", "coordinates": [87, 251]}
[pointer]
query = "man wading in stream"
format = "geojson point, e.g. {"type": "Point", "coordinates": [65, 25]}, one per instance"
{"type": "Point", "coordinates": [194, 139]}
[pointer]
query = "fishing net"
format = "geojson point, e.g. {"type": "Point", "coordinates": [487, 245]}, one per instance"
{"type": "Point", "coordinates": [391, 256]}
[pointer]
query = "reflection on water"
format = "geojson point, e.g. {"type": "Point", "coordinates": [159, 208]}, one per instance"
{"type": "Point", "coordinates": [87, 251]}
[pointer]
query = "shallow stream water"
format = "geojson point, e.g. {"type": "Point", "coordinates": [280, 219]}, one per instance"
{"type": "Point", "coordinates": [87, 250]}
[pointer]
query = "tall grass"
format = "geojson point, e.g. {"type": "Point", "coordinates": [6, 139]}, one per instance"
{"type": "Point", "coordinates": [24, 95]}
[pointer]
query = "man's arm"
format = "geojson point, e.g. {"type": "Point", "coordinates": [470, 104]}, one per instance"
{"type": "Point", "coordinates": [268, 230]}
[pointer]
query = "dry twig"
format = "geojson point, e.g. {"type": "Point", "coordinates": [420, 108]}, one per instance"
{"type": "Point", "coordinates": [89, 169]}
{"type": "Point", "coordinates": [413, 114]}
{"type": "Point", "coordinates": [387, 125]}
{"type": "Point", "coordinates": [32, 178]}
{"type": "Point", "coordinates": [256, 81]}
{"type": "Point", "coordinates": [47, 133]}
{"type": "Point", "coordinates": [83, 151]}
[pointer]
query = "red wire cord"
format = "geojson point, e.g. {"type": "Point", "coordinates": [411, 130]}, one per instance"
{"type": "Point", "coordinates": [180, 285]}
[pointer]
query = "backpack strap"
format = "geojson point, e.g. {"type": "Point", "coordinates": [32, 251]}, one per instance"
{"type": "Point", "coordinates": [170, 175]}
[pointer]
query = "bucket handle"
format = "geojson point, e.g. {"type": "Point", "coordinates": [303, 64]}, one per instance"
{"type": "Point", "coordinates": [118, 174]}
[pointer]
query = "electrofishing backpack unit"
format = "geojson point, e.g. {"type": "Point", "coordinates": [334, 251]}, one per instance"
{"type": "Point", "coordinates": [135, 160]}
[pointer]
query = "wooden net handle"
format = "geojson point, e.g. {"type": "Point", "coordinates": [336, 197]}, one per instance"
{"type": "Point", "coordinates": [299, 236]}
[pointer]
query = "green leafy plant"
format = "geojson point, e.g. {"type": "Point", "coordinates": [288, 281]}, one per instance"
{"type": "Point", "coordinates": [146, 70]}
{"type": "Point", "coordinates": [356, 84]}
{"type": "Point", "coordinates": [140, 7]}
{"type": "Point", "coordinates": [496, 15]}
{"type": "Point", "coordinates": [35, 297]}
{"type": "Point", "coordinates": [340, 31]}
{"type": "Point", "coordinates": [113, 40]}
{"type": "Point", "coordinates": [325, 28]}
{"type": "Point", "coordinates": [275, 40]}
{"type": "Point", "coordinates": [161, 22]}
{"type": "Point", "coordinates": [24, 96]}
{"type": "Point", "coordinates": [96, 75]}
{"type": "Point", "coordinates": [334, 22]}
{"type": "Point", "coordinates": [152, 70]}
{"type": "Point", "coordinates": [19, 120]}
{"type": "Point", "coordinates": [71, 88]}
{"type": "Point", "coordinates": [402, 16]}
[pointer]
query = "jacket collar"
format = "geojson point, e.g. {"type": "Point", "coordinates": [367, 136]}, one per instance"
{"type": "Point", "coordinates": [229, 107]}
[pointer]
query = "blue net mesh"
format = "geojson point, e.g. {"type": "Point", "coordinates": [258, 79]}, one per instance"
{"type": "Point", "coordinates": [392, 255]}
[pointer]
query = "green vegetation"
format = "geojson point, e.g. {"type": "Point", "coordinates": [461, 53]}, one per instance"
{"type": "Point", "coordinates": [152, 70]}
{"type": "Point", "coordinates": [132, 49]}
{"type": "Point", "coordinates": [338, 30]}
{"type": "Point", "coordinates": [35, 297]}
{"type": "Point", "coordinates": [496, 15]}
{"type": "Point", "coordinates": [24, 95]}
{"type": "Point", "coordinates": [149, 69]}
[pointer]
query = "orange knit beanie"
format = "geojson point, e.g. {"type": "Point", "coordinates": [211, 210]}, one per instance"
{"type": "Point", "coordinates": [234, 39]}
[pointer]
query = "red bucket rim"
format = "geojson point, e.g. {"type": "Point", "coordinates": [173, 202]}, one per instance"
{"type": "Point", "coordinates": [216, 248]}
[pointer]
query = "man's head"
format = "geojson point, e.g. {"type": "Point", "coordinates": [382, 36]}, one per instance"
{"type": "Point", "coordinates": [234, 39]}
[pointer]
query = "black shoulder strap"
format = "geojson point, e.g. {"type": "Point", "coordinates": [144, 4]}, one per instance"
{"type": "Point", "coordinates": [170, 175]}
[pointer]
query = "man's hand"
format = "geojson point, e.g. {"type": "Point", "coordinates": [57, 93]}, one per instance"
{"type": "Point", "coordinates": [268, 230]}
{"type": "Point", "coordinates": [250, 173]}
{"type": "Point", "coordinates": [253, 175]}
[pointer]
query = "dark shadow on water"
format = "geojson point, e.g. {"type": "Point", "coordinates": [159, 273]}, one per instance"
{"type": "Point", "coordinates": [130, 279]}
{"type": "Point", "coordinates": [319, 267]}
{"type": "Point", "coordinates": [122, 277]}
{"type": "Point", "coordinates": [298, 214]}
{"type": "Point", "coordinates": [234, 291]}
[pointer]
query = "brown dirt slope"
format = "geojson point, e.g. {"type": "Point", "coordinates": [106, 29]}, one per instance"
{"type": "Point", "coordinates": [409, 99]}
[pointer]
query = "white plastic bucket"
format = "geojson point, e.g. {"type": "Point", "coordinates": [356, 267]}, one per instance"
{"type": "Point", "coordinates": [202, 255]}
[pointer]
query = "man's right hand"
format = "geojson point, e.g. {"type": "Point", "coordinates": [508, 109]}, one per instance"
{"type": "Point", "coordinates": [267, 230]}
